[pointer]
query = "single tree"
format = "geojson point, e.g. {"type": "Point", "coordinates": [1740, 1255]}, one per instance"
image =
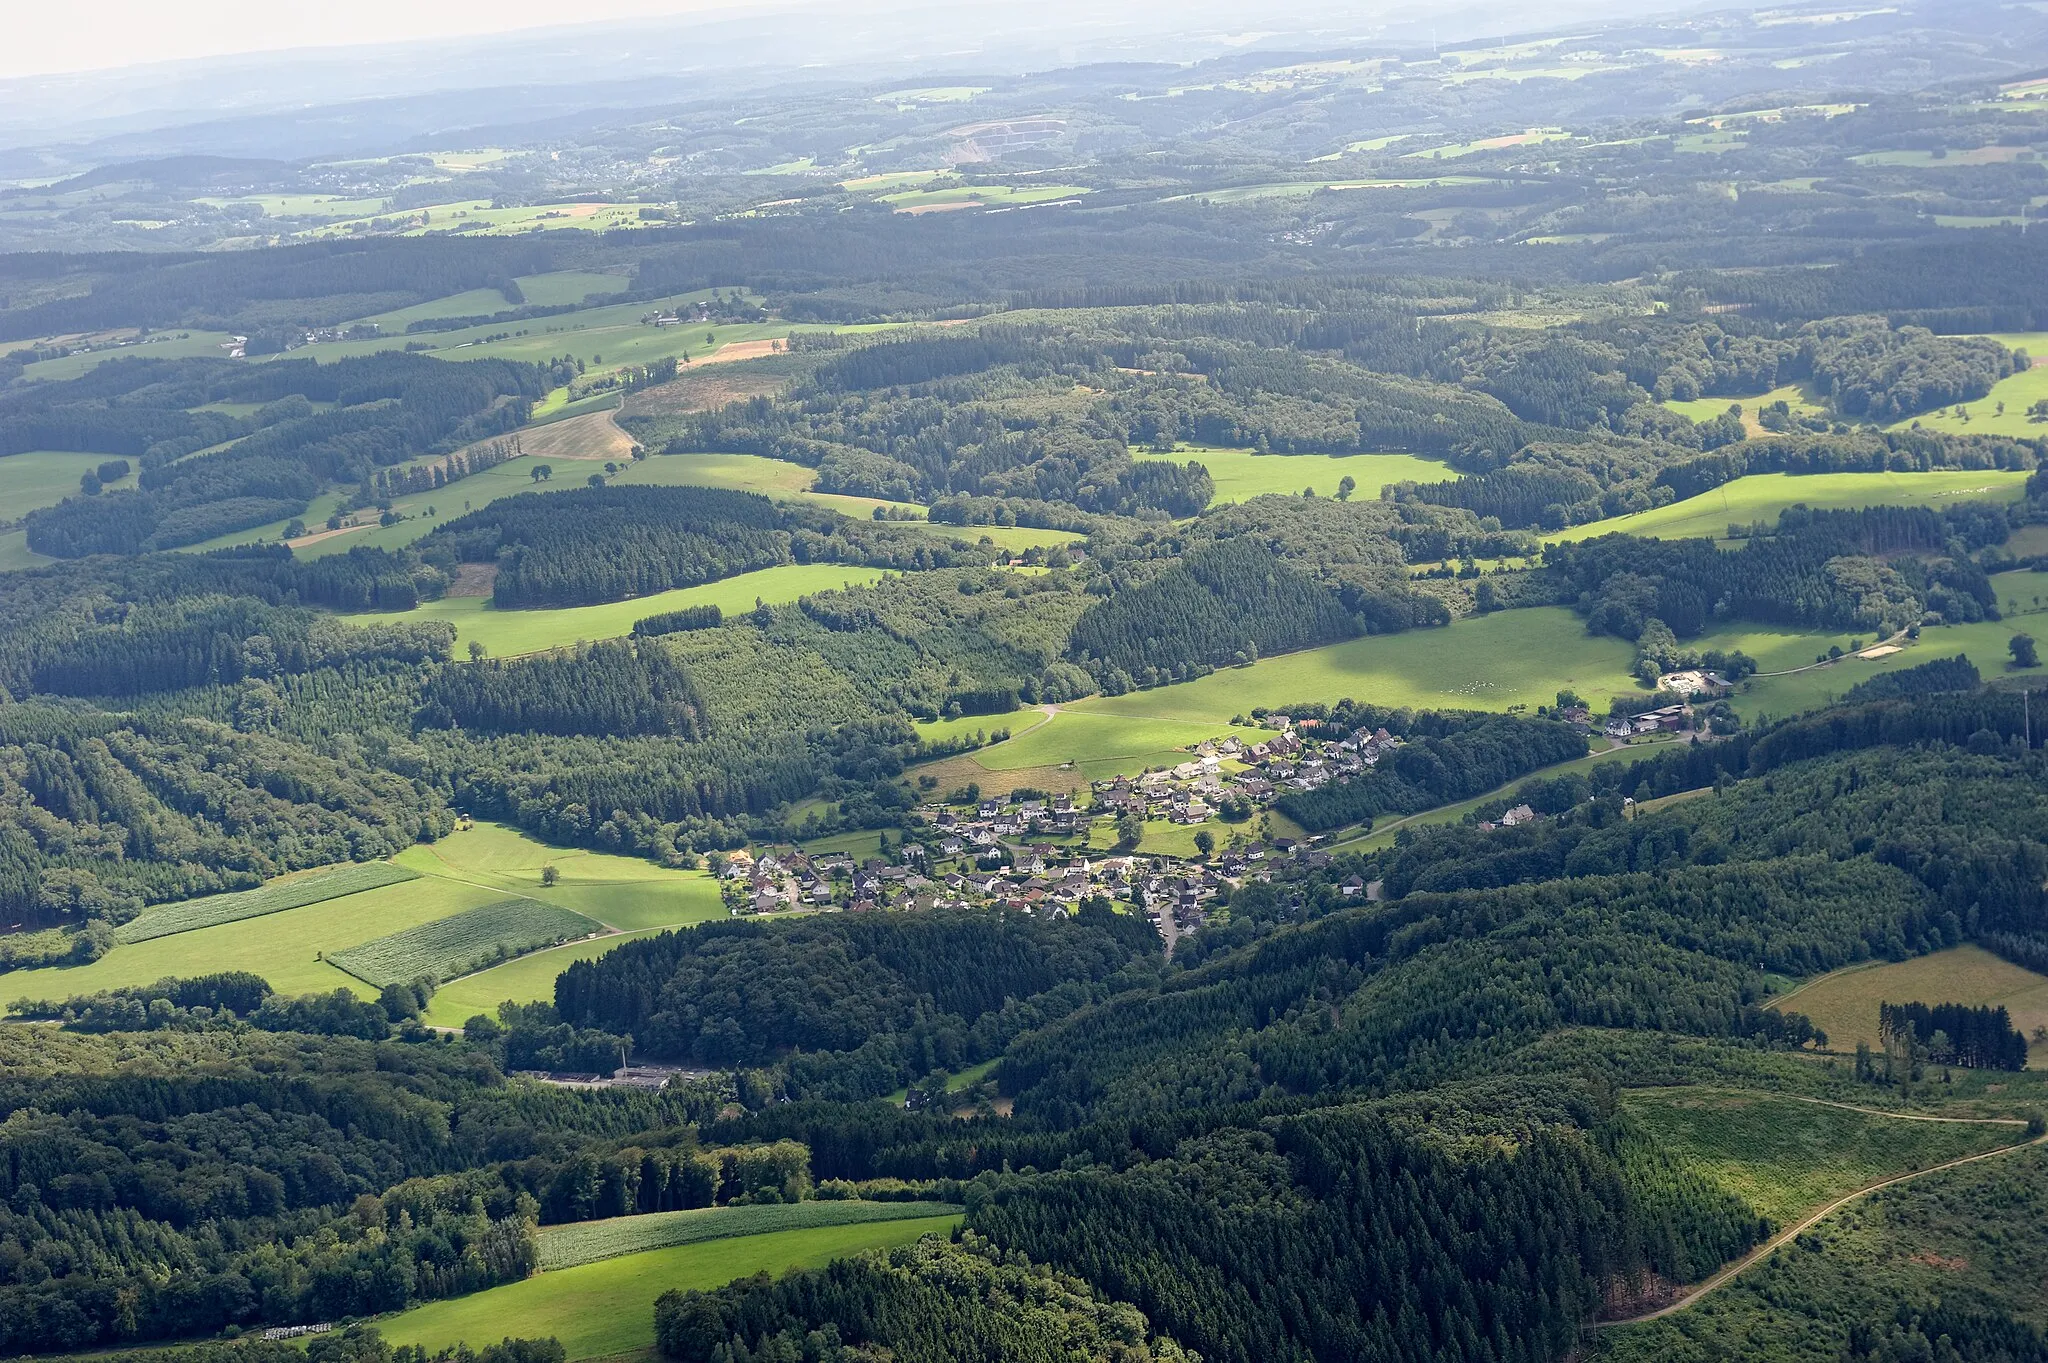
{"type": "Point", "coordinates": [1205, 841]}
{"type": "Point", "coordinates": [2024, 653]}
{"type": "Point", "coordinates": [1345, 487]}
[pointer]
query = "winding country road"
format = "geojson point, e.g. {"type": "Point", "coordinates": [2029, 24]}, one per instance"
{"type": "Point", "coordinates": [1728, 1274]}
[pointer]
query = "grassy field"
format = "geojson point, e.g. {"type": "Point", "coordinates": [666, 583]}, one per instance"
{"type": "Point", "coordinates": [1984, 643]}
{"type": "Point", "coordinates": [1104, 743]}
{"type": "Point", "coordinates": [1801, 400]}
{"type": "Point", "coordinates": [1241, 475]}
{"type": "Point", "coordinates": [15, 553]}
{"type": "Point", "coordinates": [607, 1308]}
{"type": "Point", "coordinates": [1762, 496]}
{"type": "Point", "coordinates": [1844, 1004]}
{"type": "Point", "coordinates": [463, 943]}
{"type": "Point", "coordinates": [992, 196]}
{"type": "Point", "coordinates": [775, 478]}
{"type": "Point", "coordinates": [590, 1242]}
{"type": "Point", "coordinates": [1301, 189]}
{"type": "Point", "coordinates": [1784, 1156]}
{"type": "Point", "coordinates": [285, 892]}
{"type": "Point", "coordinates": [169, 345]}
{"type": "Point", "coordinates": [1488, 662]}
{"type": "Point", "coordinates": [473, 867]}
{"type": "Point", "coordinates": [511, 632]}
{"type": "Point", "coordinates": [38, 478]}
{"type": "Point", "coordinates": [1384, 835]}
{"type": "Point", "coordinates": [528, 979]}
{"type": "Point", "coordinates": [2018, 393]}
{"type": "Point", "coordinates": [285, 948]}
{"type": "Point", "coordinates": [563, 287]}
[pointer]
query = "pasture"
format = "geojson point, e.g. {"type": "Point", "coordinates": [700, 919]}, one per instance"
{"type": "Point", "coordinates": [626, 893]}
{"type": "Point", "coordinates": [39, 478]}
{"type": "Point", "coordinates": [1984, 643]}
{"type": "Point", "coordinates": [524, 979]}
{"type": "Point", "coordinates": [507, 633]}
{"type": "Point", "coordinates": [2017, 393]}
{"type": "Point", "coordinates": [1764, 496]}
{"type": "Point", "coordinates": [589, 1242]}
{"type": "Point", "coordinates": [463, 942]}
{"type": "Point", "coordinates": [1801, 400]}
{"type": "Point", "coordinates": [1383, 835]}
{"type": "Point", "coordinates": [1241, 475]}
{"type": "Point", "coordinates": [1484, 662]}
{"type": "Point", "coordinates": [978, 196]}
{"type": "Point", "coordinates": [558, 289]}
{"type": "Point", "coordinates": [275, 896]}
{"type": "Point", "coordinates": [15, 553]}
{"type": "Point", "coordinates": [1844, 1004]}
{"type": "Point", "coordinates": [286, 948]}
{"type": "Point", "coordinates": [1784, 1156]}
{"type": "Point", "coordinates": [1301, 189]}
{"type": "Point", "coordinates": [607, 1308]}
{"type": "Point", "coordinates": [774, 478]}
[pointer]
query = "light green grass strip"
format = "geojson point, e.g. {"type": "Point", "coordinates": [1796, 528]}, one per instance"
{"type": "Point", "coordinates": [468, 941]}
{"type": "Point", "coordinates": [264, 899]}
{"type": "Point", "coordinates": [589, 1241]}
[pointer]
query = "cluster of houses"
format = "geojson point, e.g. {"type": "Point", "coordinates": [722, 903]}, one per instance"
{"type": "Point", "coordinates": [1259, 773]}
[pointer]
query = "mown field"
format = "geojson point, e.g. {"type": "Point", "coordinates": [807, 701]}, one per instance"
{"type": "Point", "coordinates": [509, 632]}
{"type": "Point", "coordinates": [2017, 393]}
{"type": "Point", "coordinates": [286, 892]}
{"type": "Point", "coordinates": [1785, 1156]}
{"type": "Point", "coordinates": [38, 478]}
{"type": "Point", "coordinates": [589, 1242]}
{"type": "Point", "coordinates": [481, 865]}
{"type": "Point", "coordinates": [1241, 475]}
{"type": "Point", "coordinates": [558, 289]}
{"type": "Point", "coordinates": [1844, 1004]}
{"type": "Point", "coordinates": [1487, 662]}
{"type": "Point", "coordinates": [1764, 496]}
{"type": "Point", "coordinates": [464, 942]}
{"type": "Point", "coordinates": [604, 1309]}
{"type": "Point", "coordinates": [286, 948]}
{"type": "Point", "coordinates": [1984, 643]}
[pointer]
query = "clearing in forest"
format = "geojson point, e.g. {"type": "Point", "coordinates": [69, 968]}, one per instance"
{"type": "Point", "coordinates": [1762, 497]}
{"type": "Point", "coordinates": [1241, 475]}
{"type": "Point", "coordinates": [1844, 1004]}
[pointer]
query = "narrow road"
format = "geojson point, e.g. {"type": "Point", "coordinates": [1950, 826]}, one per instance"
{"type": "Point", "coordinates": [1728, 1274]}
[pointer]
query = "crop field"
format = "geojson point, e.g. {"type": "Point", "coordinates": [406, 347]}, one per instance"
{"type": "Point", "coordinates": [588, 1242]}
{"type": "Point", "coordinates": [1762, 496]}
{"type": "Point", "coordinates": [38, 478]}
{"type": "Point", "coordinates": [1241, 474]}
{"type": "Point", "coordinates": [509, 632]}
{"type": "Point", "coordinates": [2018, 393]}
{"type": "Point", "coordinates": [1532, 137]}
{"type": "Point", "coordinates": [1784, 1156]}
{"type": "Point", "coordinates": [465, 942]}
{"type": "Point", "coordinates": [524, 979]}
{"type": "Point", "coordinates": [291, 892]}
{"type": "Point", "coordinates": [1844, 1004]}
{"type": "Point", "coordinates": [1487, 662]}
{"type": "Point", "coordinates": [285, 948]}
{"type": "Point", "coordinates": [607, 1308]}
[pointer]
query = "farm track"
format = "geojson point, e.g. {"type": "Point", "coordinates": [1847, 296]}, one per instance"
{"type": "Point", "coordinates": [1732, 1271]}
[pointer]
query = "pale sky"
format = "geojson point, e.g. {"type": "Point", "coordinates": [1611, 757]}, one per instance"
{"type": "Point", "coordinates": [43, 37]}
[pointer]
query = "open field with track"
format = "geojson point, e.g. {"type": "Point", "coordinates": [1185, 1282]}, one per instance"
{"type": "Point", "coordinates": [589, 1242]}
{"type": "Point", "coordinates": [1785, 1156]}
{"type": "Point", "coordinates": [604, 1309]}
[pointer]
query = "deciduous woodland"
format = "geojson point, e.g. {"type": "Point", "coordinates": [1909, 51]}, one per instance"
{"type": "Point", "coordinates": [1307, 703]}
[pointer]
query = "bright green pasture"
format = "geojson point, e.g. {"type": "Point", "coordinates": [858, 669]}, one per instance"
{"type": "Point", "coordinates": [1763, 496]}
{"type": "Point", "coordinates": [998, 196]}
{"type": "Point", "coordinates": [1487, 662]}
{"type": "Point", "coordinates": [170, 345]}
{"type": "Point", "coordinates": [626, 893]}
{"type": "Point", "coordinates": [1984, 643]}
{"type": "Point", "coordinates": [562, 287]}
{"type": "Point", "coordinates": [1015, 538]}
{"type": "Point", "coordinates": [510, 632]}
{"type": "Point", "coordinates": [1104, 744]}
{"type": "Point", "coordinates": [2020, 592]}
{"type": "Point", "coordinates": [607, 1308]}
{"type": "Point", "coordinates": [1241, 475]}
{"type": "Point", "coordinates": [1784, 1156]}
{"type": "Point", "coordinates": [37, 478]}
{"type": "Point", "coordinates": [284, 948]}
{"type": "Point", "coordinates": [1793, 395]}
{"type": "Point", "coordinates": [2018, 393]}
{"type": "Point", "coordinates": [15, 553]}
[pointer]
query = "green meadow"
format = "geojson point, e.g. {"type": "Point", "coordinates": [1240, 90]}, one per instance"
{"type": "Point", "coordinates": [467, 869]}
{"type": "Point", "coordinates": [993, 196]}
{"type": "Point", "coordinates": [1386, 832]}
{"type": "Point", "coordinates": [2017, 393]}
{"type": "Point", "coordinates": [607, 1308]}
{"type": "Point", "coordinates": [1763, 496]}
{"type": "Point", "coordinates": [1486, 662]}
{"type": "Point", "coordinates": [38, 478]}
{"type": "Point", "coordinates": [529, 979]}
{"type": "Point", "coordinates": [1792, 395]}
{"type": "Point", "coordinates": [1301, 189]}
{"type": "Point", "coordinates": [1241, 475]}
{"type": "Point", "coordinates": [1102, 744]}
{"type": "Point", "coordinates": [776, 478]}
{"type": "Point", "coordinates": [561, 288]}
{"type": "Point", "coordinates": [1984, 643]}
{"type": "Point", "coordinates": [510, 632]}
